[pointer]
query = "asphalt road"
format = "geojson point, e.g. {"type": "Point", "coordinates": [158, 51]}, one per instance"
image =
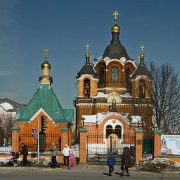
{"type": "Point", "coordinates": [82, 172]}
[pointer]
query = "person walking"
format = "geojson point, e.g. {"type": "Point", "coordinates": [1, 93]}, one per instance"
{"type": "Point", "coordinates": [24, 152]}
{"type": "Point", "coordinates": [66, 155]}
{"type": "Point", "coordinates": [53, 155]}
{"type": "Point", "coordinates": [125, 161]}
{"type": "Point", "coordinates": [111, 161]}
{"type": "Point", "coordinates": [71, 158]}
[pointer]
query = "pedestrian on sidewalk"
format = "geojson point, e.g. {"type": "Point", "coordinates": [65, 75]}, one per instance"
{"type": "Point", "coordinates": [125, 161]}
{"type": "Point", "coordinates": [53, 155]}
{"type": "Point", "coordinates": [71, 158]}
{"type": "Point", "coordinates": [66, 155]}
{"type": "Point", "coordinates": [24, 152]}
{"type": "Point", "coordinates": [111, 161]}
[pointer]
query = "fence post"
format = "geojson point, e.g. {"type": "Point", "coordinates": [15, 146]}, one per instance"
{"type": "Point", "coordinates": [138, 145]}
{"type": "Point", "coordinates": [82, 144]}
{"type": "Point", "coordinates": [64, 137]}
{"type": "Point", "coordinates": [15, 138]}
{"type": "Point", "coordinates": [157, 143]}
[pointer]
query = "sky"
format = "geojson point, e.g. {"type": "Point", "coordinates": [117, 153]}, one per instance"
{"type": "Point", "coordinates": [65, 27]}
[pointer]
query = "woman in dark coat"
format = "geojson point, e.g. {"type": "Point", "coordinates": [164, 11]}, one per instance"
{"type": "Point", "coordinates": [111, 161]}
{"type": "Point", "coordinates": [125, 160]}
{"type": "Point", "coordinates": [24, 152]}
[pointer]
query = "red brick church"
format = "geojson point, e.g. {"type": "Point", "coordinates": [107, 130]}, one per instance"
{"type": "Point", "coordinates": [114, 93]}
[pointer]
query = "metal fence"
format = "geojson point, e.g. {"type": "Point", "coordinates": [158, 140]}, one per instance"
{"type": "Point", "coordinates": [45, 142]}
{"type": "Point", "coordinates": [99, 146]}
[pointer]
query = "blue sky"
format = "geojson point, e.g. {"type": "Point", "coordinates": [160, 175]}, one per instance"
{"type": "Point", "coordinates": [64, 27]}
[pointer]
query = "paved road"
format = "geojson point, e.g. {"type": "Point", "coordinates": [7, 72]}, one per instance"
{"type": "Point", "coordinates": [81, 172]}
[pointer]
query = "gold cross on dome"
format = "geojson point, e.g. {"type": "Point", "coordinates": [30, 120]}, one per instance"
{"type": "Point", "coordinates": [45, 53]}
{"type": "Point", "coordinates": [142, 48]}
{"type": "Point", "coordinates": [87, 48]}
{"type": "Point", "coordinates": [115, 15]}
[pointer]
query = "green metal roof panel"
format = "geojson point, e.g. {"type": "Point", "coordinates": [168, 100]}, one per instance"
{"type": "Point", "coordinates": [69, 114]}
{"type": "Point", "coordinates": [43, 98]}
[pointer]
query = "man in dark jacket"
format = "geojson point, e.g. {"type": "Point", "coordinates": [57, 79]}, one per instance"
{"type": "Point", "coordinates": [24, 152]}
{"type": "Point", "coordinates": [125, 161]}
{"type": "Point", "coordinates": [111, 161]}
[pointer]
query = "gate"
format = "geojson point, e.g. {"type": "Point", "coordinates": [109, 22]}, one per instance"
{"type": "Point", "coordinates": [99, 146]}
{"type": "Point", "coordinates": [148, 147]}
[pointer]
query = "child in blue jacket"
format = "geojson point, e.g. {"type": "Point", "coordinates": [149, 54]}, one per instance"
{"type": "Point", "coordinates": [111, 161]}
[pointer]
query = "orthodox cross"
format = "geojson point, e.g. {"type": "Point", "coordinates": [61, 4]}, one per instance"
{"type": "Point", "coordinates": [115, 16]}
{"type": "Point", "coordinates": [87, 48]}
{"type": "Point", "coordinates": [45, 53]}
{"type": "Point", "coordinates": [142, 48]}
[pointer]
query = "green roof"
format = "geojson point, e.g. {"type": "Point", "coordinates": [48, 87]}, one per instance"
{"type": "Point", "coordinates": [45, 98]}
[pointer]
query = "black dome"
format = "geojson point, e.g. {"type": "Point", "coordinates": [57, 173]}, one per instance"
{"type": "Point", "coordinates": [115, 51]}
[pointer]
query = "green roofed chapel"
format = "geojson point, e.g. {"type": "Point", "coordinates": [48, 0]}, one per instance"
{"type": "Point", "coordinates": [44, 114]}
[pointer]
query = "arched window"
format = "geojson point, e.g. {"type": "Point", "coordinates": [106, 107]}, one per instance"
{"type": "Point", "coordinates": [87, 88]}
{"type": "Point", "coordinates": [142, 88]}
{"type": "Point", "coordinates": [114, 74]}
{"type": "Point", "coordinates": [109, 130]}
{"type": "Point", "coordinates": [118, 131]}
{"type": "Point", "coordinates": [101, 75]}
{"type": "Point", "coordinates": [128, 79]}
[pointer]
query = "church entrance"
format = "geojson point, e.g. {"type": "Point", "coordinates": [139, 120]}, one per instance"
{"type": "Point", "coordinates": [113, 143]}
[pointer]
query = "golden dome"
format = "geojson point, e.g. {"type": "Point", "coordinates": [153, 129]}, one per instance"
{"type": "Point", "coordinates": [115, 28]}
{"type": "Point", "coordinates": [142, 56]}
{"type": "Point", "coordinates": [45, 64]}
{"type": "Point", "coordinates": [114, 101]}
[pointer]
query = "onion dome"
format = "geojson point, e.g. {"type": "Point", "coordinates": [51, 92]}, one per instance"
{"type": "Point", "coordinates": [115, 50]}
{"type": "Point", "coordinates": [114, 101]}
{"type": "Point", "coordinates": [87, 68]}
{"type": "Point", "coordinates": [115, 28]}
{"type": "Point", "coordinates": [142, 69]}
{"type": "Point", "coordinates": [45, 64]}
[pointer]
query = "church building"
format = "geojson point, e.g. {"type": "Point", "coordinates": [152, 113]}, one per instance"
{"type": "Point", "coordinates": [43, 114]}
{"type": "Point", "coordinates": [114, 93]}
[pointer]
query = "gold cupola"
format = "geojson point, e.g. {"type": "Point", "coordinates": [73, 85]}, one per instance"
{"type": "Point", "coordinates": [45, 64]}
{"type": "Point", "coordinates": [115, 28]}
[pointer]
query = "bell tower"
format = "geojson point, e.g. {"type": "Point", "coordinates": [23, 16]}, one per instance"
{"type": "Point", "coordinates": [87, 81]}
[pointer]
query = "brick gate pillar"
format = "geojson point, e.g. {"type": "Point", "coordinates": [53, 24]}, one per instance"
{"type": "Point", "coordinates": [157, 143]}
{"type": "Point", "coordinates": [15, 138]}
{"type": "Point", "coordinates": [139, 145]}
{"type": "Point", "coordinates": [64, 137]}
{"type": "Point", "coordinates": [82, 144]}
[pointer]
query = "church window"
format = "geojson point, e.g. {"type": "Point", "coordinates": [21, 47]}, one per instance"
{"type": "Point", "coordinates": [142, 88]}
{"type": "Point", "coordinates": [114, 75]}
{"type": "Point", "coordinates": [128, 79]}
{"type": "Point", "coordinates": [109, 130]}
{"type": "Point", "coordinates": [101, 75]}
{"type": "Point", "coordinates": [118, 131]}
{"type": "Point", "coordinates": [87, 88]}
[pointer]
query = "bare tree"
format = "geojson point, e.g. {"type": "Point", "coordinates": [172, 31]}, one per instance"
{"type": "Point", "coordinates": [6, 124]}
{"type": "Point", "coordinates": [166, 96]}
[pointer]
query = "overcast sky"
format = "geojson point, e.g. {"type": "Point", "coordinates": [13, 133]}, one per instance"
{"type": "Point", "coordinates": [64, 27]}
